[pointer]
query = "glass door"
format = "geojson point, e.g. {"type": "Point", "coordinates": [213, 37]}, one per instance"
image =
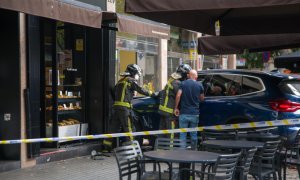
{"type": "Point", "coordinates": [64, 70]}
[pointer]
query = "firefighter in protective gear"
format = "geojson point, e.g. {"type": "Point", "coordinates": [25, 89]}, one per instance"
{"type": "Point", "coordinates": [124, 92]}
{"type": "Point", "coordinates": [167, 98]}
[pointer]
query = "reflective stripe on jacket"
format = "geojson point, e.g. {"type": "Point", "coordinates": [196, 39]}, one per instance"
{"type": "Point", "coordinates": [167, 100]}
{"type": "Point", "coordinates": [124, 91]}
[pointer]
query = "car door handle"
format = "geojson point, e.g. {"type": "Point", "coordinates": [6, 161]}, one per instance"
{"type": "Point", "coordinates": [229, 104]}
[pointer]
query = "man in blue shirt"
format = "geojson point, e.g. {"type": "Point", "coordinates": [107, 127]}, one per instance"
{"type": "Point", "coordinates": [189, 95]}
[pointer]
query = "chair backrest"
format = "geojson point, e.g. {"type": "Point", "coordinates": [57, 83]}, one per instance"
{"type": "Point", "coordinates": [247, 160]}
{"type": "Point", "coordinates": [225, 166]}
{"type": "Point", "coordinates": [292, 149]}
{"type": "Point", "coordinates": [296, 143]}
{"type": "Point", "coordinates": [269, 150]}
{"type": "Point", "coordinates": [170, 144]}
{"type": "Point", "coordinates": [127, 160]}
{"type": "Point", "coordinates": [137, 146]}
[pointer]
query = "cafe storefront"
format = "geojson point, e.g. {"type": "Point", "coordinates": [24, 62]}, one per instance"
{"type": "Point", "coordinates": [55, 67]}
{"type": "Point", "coordinates": [57, 70]}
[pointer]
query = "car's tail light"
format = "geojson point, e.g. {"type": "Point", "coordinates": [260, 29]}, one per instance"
{"type": "Point", "coordinates": [284, 105]}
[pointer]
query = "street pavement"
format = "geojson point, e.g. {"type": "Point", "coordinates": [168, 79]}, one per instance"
{"type": "Point", "coordinates": [80, 168]}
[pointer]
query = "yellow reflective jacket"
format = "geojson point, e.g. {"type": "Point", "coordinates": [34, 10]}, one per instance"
{"type": "Point", "coordinates": [168, 95]}
{"type": "Point", "coordinates": [124, 91]}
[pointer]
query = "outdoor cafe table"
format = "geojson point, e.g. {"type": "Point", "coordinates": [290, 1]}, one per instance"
{"type": "Point", "coordinates": [258, 136]}
{"type": "Point", "coordinates": [233, 144]}
{"type": "Point", "coordinates": [183, 157]}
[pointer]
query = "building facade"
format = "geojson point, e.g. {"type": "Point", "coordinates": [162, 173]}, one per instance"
{"type": "Point", "coordinates": [58, 72]}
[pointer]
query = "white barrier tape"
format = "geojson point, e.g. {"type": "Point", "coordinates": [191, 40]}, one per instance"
{"type": "Point", "coordinates": [142, 133]}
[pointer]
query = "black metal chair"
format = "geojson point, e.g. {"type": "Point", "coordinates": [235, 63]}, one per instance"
{"type": "Point", "coordinates": [138, 150]}
{"type": "Point", "coordinates": [243, 167]}
{"type": "Point", "coordinates": [170, 144]}
{"type": "Point", "coordinates": [291, 155]}
{"type": "Point", "coordinates": [129, 163]}
{"type": "Point", "coordinates": [280, 157]}
{"type": "Point", "coordinates": [223, 169]}
{"type": "Point", "coordinates": [136, 145]}
{"type": "Point", "coordinates": [264, 161]}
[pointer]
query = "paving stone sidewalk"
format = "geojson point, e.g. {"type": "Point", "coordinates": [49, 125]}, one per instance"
{"type": "Point", "coordinates": [80, 168]}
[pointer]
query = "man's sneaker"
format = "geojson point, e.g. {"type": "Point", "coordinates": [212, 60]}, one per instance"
{"type": "Point", "coordinates": [146, 142]}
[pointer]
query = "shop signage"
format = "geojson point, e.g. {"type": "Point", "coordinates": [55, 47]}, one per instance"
{"type": "Point", "coordinates": [241, 62]}
{"type": "Point", "coordinates": [189, 44]}
{"type": "Point", "coordinates": [193, 54]}
{"type": "Point", "coordinates": [79, 44]}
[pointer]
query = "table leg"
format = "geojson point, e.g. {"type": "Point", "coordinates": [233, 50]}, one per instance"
{"type": "Point", "coordinates": [185, 175]}
{"type": "Point", "coordinates": [243, 154]}
{"type": "Point", "coordinates": [203, 166]}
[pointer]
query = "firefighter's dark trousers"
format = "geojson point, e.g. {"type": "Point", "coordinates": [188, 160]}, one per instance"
{"type": "Point", "coordinates": [122, 118]}
{"type": "Point", "coordinates": [167, 121]}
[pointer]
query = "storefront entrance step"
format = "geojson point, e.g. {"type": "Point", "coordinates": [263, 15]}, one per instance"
{"type": "Point", "coordinates": [9, 165]}
{"type": "Point", "coordinates": [49, 155]}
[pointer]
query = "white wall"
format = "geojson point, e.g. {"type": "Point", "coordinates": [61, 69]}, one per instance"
{"type": "Point", "coordinates": [162, 63]}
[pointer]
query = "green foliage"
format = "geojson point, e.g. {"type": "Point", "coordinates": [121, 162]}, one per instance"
{"type": "Point", "coordinates": [253, 60]}
{"type": "Point", "coordinates": [60, 36]}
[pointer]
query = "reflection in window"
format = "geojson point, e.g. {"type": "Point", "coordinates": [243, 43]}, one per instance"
{"type": "Point", "coordinates": [173, 63]}
{"type": "Point", "coordinates": [205, 80]}
{"type": "Point", "coordinates": [251, 84]}
{"type": "Point", "coordinates": [291, 87]}
{"type": "Point", "coordinates": [224, 85]}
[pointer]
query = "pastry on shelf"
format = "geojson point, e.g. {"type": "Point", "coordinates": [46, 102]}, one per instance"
{"type": "Point", "coordinates": [60, 96]}
{"type": "Point", "coordinates": [67, 122]}
{"type": "Point", "coordinates": [77, 107]}
{"type": "Point", "coordinates": [71, 107]}
{"type": "Point", "coordinates": [61, 124]}
{"type": "Point", "coordinates": [66, 97]}
{"type": "Point", "coordinates": [75, 121]}
{"type": "Point", "coordinates": [50, 108]}
{"type": "Point", "coordinates": [60, 108]}
{"type": "Point", "coordinates": [48, 96]}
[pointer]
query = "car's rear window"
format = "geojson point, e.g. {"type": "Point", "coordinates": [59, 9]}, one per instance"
{"type": "Point", "coordinates": [290, 87]}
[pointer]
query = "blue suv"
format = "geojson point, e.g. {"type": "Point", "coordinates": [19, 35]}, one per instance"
{"type": "Point", "coordinates": [238, 96]}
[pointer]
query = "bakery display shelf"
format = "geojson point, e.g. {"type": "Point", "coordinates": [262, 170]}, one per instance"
{"type": "Point", "coordinates": [68, 111]}
{"type": "Point", "coordinates": [60, 100]}
{"type": "Point", "coordinates": [66, 85]}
